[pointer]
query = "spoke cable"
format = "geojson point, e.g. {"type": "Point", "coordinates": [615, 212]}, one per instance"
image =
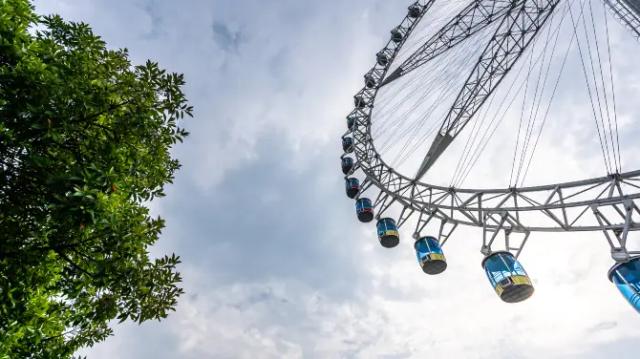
{"type": "Point", "coordinates": [548, 109]}
{"type": "Point", "coordinates": [613, 90]}
{"type": "Point", "coordinates": [540, 87]}
{"type": "Point", "coordinates": [586, 76]}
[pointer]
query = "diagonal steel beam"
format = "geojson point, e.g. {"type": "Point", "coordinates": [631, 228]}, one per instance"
{"type": "Point", "coordinates": [627, 12]}
{"type": "Point", "coordinates": [475, 17]}
{"type": "Point", "coordinates": [513, 36]}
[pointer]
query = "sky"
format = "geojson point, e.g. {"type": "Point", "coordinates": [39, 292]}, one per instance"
{"type": "Point", "coordinates": [275, 265]}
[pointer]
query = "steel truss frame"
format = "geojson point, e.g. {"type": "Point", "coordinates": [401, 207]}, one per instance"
{"type": "Point", "coordinates": [475, 17]}
{"type": "Point", "coordinates": [599, 204]}
{"type": "Point", "coordinates": [518, 28]}
{"type": "Point", "coordinates": [627, 12]}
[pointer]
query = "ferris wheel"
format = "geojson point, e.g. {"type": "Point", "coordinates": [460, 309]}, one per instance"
{"type": "Point", "coordinates": [449, 75]}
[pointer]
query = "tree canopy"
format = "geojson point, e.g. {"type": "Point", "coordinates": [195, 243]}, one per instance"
{"type": "Point", "coordinates": [85, 140]}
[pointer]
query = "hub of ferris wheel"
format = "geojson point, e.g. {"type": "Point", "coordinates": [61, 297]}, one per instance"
{"type": "Point", "coordinates": [609, 201]}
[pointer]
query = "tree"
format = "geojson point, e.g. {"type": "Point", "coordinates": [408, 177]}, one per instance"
{"type": "Point", "coordinates": [85, 141]}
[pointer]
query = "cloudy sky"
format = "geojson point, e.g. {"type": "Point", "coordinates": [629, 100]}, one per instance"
{"type": "Point", "coordinates": [274, 263]}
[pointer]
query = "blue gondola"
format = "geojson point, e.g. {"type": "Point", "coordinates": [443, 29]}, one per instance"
{"type": "Point", "coordinates": [364, 209]}
{"type": "Point", "coordinates": [351, 123]}
{"type": "Point", "coordinates": [347, 164]}
{"type": "Point", "coordinates": [352, 187]}
{"type": "Point", "coordinates": [382, 59]}
{"type": "Point", "coordinates": [369, 81]}
{"type": "Point", "coordinates": [397, 35]}
{"type": "Point", "coordinates": [415, 10]}
{"type": "Point", "coordinates": [508, 277]}
{"type": "Point", "coordinates": [430, 255]}
{"type": "Point", "coordinates": [347, 144]}
{"type": "Point", "coordinates": [388, 232]}
{"type": "Point", "coordinates": [360, 102]}
{"type": "Point", "coordinates": [626, 276]}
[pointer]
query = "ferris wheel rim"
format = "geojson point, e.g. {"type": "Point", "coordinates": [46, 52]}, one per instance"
{"type": "Point", "coordinates": [584, 181]}
{"type": "Point", "coordinates": [371, 161]}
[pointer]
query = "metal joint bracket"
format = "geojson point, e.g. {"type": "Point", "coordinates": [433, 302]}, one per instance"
{"type": "Point", "coordinates": [505, 222]}
{"type": "Point", "coordinates": [617, 234]}
{"type": "Point", "coordinates": [446, 228]}
{"type": "Point", "coordinates": [445, 233]}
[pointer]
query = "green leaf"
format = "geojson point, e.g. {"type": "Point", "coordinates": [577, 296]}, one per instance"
{"type": "Point", "coordinates": [87, 141]}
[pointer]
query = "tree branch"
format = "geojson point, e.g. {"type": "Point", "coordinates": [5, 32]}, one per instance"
{"type": "Point", "coordinates": [73, 264]}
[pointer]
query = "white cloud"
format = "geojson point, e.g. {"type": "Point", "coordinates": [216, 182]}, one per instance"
{"type": "Point", "coordinates": [275, 264]}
